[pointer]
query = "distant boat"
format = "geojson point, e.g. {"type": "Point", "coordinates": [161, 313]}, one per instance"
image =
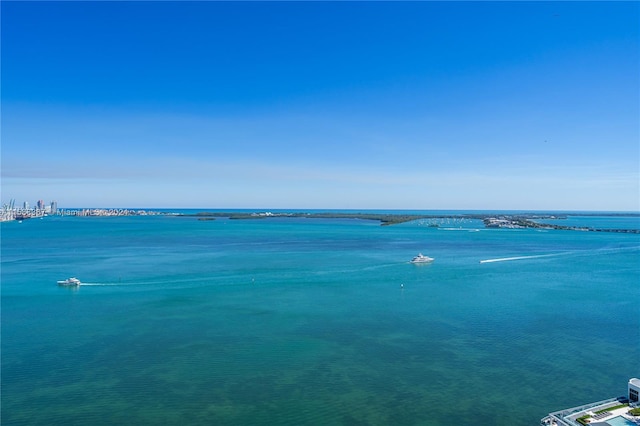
{"type": "Point", "coordinates": [420, 258]}
{"type": "Point", "coordinates": [70, 282]}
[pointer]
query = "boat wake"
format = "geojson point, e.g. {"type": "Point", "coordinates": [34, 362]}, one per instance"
{"type": "Point", "coordinates": [507, 259]}
{"type": "Point", "coordinates": [129, 284]}
{"type": "Point", "coordinates": [99, 284]}
{"type": "Point", "coordinates": [603, 250]}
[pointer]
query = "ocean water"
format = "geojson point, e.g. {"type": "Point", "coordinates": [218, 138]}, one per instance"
{"type": "Point", "coordinates": [312, 321]}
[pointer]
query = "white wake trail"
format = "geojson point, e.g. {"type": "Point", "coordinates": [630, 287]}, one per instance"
{"type": "Point", "coordinates": [506, 259]}
{"type": "Point", "coordinates": [98, 284]}
{"type": "Point", "coordinates": [603, 250]}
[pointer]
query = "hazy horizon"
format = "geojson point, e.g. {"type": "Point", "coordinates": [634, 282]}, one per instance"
{"type": "Point", "coordinates": [259, 209]}
{"type": "Point", "coordinates": [526, 106]}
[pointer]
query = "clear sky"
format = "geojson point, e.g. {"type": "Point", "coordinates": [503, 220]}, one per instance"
{"type": "Point", "coordinates": [361, 105]}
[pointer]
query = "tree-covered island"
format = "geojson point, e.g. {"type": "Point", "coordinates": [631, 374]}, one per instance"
{"type": "Point", "coordinates": [520, 220]}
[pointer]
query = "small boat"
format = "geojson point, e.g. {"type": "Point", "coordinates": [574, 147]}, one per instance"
{"type": "Point", "coordinates": [70, 282]}
{"type": "Point", "coordinates": [420, 258]}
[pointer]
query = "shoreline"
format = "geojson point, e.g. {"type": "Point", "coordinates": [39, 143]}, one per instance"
{"type": "Point", "coordinates": [518, 221]}
{"type": "Point", "coordinates": [504, 220]}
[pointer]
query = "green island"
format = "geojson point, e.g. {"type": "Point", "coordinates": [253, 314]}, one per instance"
{"type": "Point", "coordinates": [521, 220]}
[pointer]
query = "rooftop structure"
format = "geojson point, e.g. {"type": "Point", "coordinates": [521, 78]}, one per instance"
{"type": "Point", "coordinates": [634, 389]}
{"type": "Point", "coordinates": [610, 412]}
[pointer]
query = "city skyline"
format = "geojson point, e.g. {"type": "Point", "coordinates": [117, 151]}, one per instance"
{"type": "Point", "coordinates": [364, 105]}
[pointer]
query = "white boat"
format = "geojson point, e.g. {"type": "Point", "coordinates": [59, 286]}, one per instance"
{"type": "Point", "coordinates": [420, 258]}
{"type": "Point", "coordinates": [70, 282]}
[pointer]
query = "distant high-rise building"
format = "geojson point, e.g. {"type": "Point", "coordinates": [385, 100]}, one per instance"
{"type": "Point", "coordinates": [25, 205]}
{"type": "Point", "coordinates": [40, 205]}
{"type": "Point", "coordinates": [54, 207]}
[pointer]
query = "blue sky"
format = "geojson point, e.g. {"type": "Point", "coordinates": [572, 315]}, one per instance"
{"type": "Point", "coordinates": [362, 105]}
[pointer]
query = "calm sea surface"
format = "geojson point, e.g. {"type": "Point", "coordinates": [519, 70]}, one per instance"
{"type": "Point", "coordinates": [304, 321]}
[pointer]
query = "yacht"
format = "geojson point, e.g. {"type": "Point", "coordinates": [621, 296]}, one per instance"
{"type": "Point", "coordinates": [70, 282]}
{"type": "Point", "coordinates": [420, 258]}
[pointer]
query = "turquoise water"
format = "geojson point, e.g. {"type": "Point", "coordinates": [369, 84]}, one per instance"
{"type": "Point", "coordinates": [304, 321]}
{"type": "Point", "coordinates": [620, 421]}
